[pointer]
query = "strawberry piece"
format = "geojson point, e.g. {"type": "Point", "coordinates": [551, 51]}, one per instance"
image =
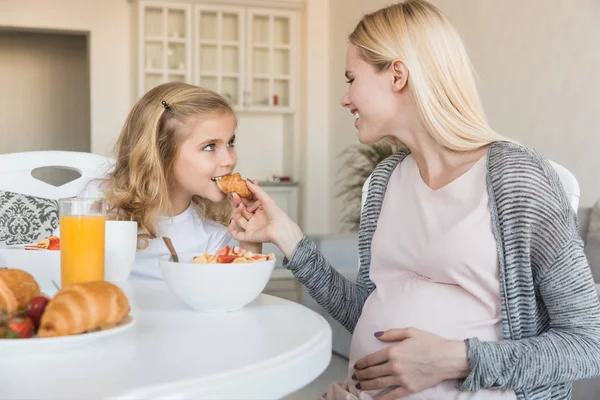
{"type": "Point", "coordinates": [224, 251]}
{"type": "Point", "coordinates": [36, 309]}
{"type": "Point", "coordinates": [20, 328]}
{"type": "Point", "coordinates": [226, 259]}
{"type": "Point", "coordinates": [54, 243]}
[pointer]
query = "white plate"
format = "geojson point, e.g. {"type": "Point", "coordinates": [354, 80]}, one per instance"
{"type": "Point", "coordinates": [43, 265]}
{"type": "Point", "coordinates": [19, 347]}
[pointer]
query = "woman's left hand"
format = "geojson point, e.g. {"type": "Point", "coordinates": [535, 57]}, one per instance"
{"type": "Point", "coordinates": [418, 361]}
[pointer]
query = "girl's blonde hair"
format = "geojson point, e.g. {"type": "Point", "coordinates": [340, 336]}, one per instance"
{"type": "Point", "coordinates": [440, 79]}
{"type": "Point", "coordinates": [138, 188]}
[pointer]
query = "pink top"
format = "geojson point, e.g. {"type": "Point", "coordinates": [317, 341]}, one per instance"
{"type": "Point", "coordinates": [435, 264]}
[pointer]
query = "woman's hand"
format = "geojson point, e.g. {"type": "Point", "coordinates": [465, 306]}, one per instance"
{"type": "Point", "coordinates": [262, 220]}
{"type": "Point", "coordinates": [417, 361]}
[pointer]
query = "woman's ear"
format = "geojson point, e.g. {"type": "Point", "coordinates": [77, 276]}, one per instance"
{"type": "Point", "coordinates": [399, 75]}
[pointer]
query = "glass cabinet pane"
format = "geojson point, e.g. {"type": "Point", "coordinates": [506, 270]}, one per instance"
{"type": "Point", "coordinates": [209, 82]}
{"type": "Point", "coordinates": [208, 25]}
{"type": "Point", "coordinates": [152, 80]}
{"type": "Point", "coordinates": [282, 30]}
{"type": "Point", "coordinates": [281, 58]}
{"type": "Point", "coordinates": [176, 77]}
{"type": "Point", "coordinates": [260, 61]}
{"type": "Point", "coordinates": [260, 31]}
{"type": "Point", "coordinates": [231, 25]}
{"type": "Point", "coordinates": [281, 93]}
{"type": "Point", "coordinates": [176, 24]}
{"type": "Point", "coordinates": [153, 22]}
{"type": "Point", "coordinates": [230, 90]}
{"type": "Point", "coordinates": [208, 58]}
{"type": "Point", "coordinates": [260, 92]}
{"type": "Point", "coordinates": [231, 60]}
{"type": "Point", "coordinates": [176, 56]}
{"type": "Point", "coordinates": [154, 55]}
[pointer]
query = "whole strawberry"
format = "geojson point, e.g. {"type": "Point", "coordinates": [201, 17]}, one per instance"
{"type": "Point", "coordinates": [35, 310]}
{"type": "Point", "coordinates": [20, 328]}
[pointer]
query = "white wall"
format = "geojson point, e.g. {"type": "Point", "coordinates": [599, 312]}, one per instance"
{"type": "Point", "coordinates": [537, 63]}
{"type": "Point", "coordinates": [317, 164]}
{"type": "Point", "coordinates": [108, 24]}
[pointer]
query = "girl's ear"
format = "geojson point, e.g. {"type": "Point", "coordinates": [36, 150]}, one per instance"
{"type": "Point", "coordinates": [399, 75]}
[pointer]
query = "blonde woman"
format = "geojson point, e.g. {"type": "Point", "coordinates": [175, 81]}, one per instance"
{"type": "Point", "coordinates": [177, 140]}
{"type": "Point", "coordinates": [473, 283]}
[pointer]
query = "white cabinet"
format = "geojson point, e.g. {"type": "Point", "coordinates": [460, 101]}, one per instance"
{"type": "Point", "coordinates": [286, 197]}
{"type": "Point", "coordinates": [164, 44]}
{"type": "Point", "coordinates": [219, 56]}
{"type": "Point", "coordinates": [245, 53]}
{"type": "Point", "coordinates": [271, 59]}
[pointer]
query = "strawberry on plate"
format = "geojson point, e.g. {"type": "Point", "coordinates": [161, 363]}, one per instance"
{"type": "Point", "coordinates": [51, 243]}
{"type": "Point", "coordinates": [36, 308]}
{"type": "Point", "coordinates": [20, 328]}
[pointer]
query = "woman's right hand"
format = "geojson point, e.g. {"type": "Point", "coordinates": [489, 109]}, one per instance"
{"type": "Point", "coordinates": [264, 221]}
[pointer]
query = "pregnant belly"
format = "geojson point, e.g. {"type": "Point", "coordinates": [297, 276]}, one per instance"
{"type": "Point", "coordinates": [442, 309]}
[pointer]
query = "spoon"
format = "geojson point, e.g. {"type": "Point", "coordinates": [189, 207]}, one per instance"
{"type": "Point", "coordinates": [171, 248]}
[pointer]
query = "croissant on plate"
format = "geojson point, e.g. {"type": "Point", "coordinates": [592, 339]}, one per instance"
{"type": "Point", "coordinates": [234, 183]}
{"type": "Point", "coordinates": [82, 307]}
{"type": "Point", "coordinates": [17, 288]}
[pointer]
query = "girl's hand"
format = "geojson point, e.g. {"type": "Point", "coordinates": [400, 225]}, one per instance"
{"type": "Point", "coordinates": [264, 221]}
{"type": "Point", "coordinates": [417, 361]}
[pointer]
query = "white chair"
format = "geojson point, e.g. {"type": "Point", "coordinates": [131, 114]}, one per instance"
{"type": "Point", "coordinates": [15, 176]}
{"type": "Point", "coordinates": [16, 168]}
{"type": "Point", "coordinates": [569, 183]}
{"type": "Point", "coordinates": [567, 179]}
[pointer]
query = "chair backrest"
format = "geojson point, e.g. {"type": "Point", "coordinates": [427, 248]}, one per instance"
{"type": "Point", "coordinates": [16, 169]}
{"type": "Point", "coordinates": [566, 177]}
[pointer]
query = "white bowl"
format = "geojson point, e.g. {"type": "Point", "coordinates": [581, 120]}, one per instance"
{"type": "Point", "coordinates": [215, 287]}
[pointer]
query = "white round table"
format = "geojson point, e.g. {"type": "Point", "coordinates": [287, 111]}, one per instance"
{"type": "Point", "coordinates": [267, 350]}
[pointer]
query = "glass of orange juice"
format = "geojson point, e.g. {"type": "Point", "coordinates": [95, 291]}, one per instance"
{"type": "Point", "coordinates": [82, 222]}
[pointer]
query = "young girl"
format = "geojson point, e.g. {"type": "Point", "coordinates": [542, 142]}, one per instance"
{"type": "Point", "coordinates": [176, 142]}
{"type": "Point", "coordinates": [473, 283]}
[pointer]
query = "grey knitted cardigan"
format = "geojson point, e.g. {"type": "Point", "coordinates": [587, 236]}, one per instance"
{"type": "Point", "coordinates": [550, 309]}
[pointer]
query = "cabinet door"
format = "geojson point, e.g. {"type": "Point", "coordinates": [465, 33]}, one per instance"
{"type": "Point", "coordinates": [271, 48]}
{"type": "Point", "coordinates": [219, 50]}
{"type": "Point", "coordinates": [165, 53]}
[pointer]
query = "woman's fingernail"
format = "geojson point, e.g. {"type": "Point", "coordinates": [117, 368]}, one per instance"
{"type": "Point", "coordinates": [237, 205]}
{"type": "Point", "coordinates": [358, 385]}
{"type": "Point", "coordinates": [377, 334]}
{"type": "Point", "coordinates": [355, 367]}
{"type": "Point", "coordinates": [353, 376]}
{"type": "Point", "coordinates": [250, 180]}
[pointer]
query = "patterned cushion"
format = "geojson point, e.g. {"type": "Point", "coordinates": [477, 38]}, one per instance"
{"type": "Point", "coordinates": [26, 219]}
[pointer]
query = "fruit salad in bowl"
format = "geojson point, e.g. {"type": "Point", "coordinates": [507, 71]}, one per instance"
{"type": "Point", "coordinates": [224, 281]}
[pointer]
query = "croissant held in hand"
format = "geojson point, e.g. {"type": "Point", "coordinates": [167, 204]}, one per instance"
{"type": "Point", "coordinates": [82, 307]}
{"type": "Point", "coordinates": [17, 288]}
{"type": "Point", "coordinates": [234, 183]}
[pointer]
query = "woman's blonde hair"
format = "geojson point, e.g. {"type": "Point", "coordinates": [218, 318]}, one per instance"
{"type": "Point", "coordinates": [440, 79]}
{"type": "Point", "coordinates": [138, 188]}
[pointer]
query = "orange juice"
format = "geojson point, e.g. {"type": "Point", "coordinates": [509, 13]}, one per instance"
{"type": "Point", "coordinates": [81, 248]}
